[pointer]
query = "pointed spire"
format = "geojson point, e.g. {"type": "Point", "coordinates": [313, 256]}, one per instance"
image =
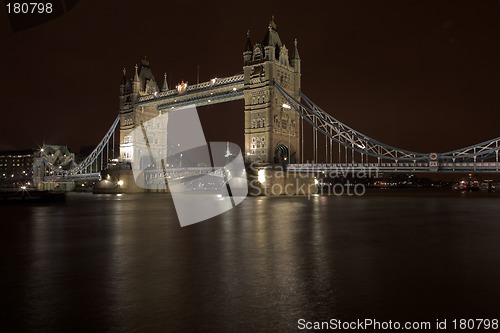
{"type": "Point", "coordinates": [272, 37]}
{"type": "Point", "coordinates": [272, 24]}
{"type": "Point", "coordinates": [137, 82]}
{"type": "Point", "coordinates": [124, 77]}
{"type": "Point", "coordinates": [248, 46]}
{"type": "Point", "coordinates": [296, 52]}
{"type": "Point", "coordinates": [165, 84]}
{"type": "Point", "coordinates": [136, 76]}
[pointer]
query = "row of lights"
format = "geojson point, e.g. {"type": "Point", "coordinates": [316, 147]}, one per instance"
{"type": "Point", "coordinates": [12, 176]}
{"type": "Point", "coordinates": [209, 101]}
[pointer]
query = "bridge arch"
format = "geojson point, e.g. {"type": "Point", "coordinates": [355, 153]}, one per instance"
{"type": "Point", "coordinates": [283, 154]}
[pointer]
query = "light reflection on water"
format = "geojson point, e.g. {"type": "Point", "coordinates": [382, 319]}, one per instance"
{"type": "Point", "coordinates": [123, 263]}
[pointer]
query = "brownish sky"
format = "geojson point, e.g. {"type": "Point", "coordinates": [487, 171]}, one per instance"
{"type": "Point", "coordinates": [421, 75]}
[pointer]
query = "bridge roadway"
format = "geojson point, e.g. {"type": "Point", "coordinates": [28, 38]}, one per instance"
{"type": "Point", "coordinates": [336, 168]}
{"type": "Point", "coordinates": [396, 167]}
{"type": "Point", "coordinates": [150, 175]}
{"type": "Point", "coordinates": [79, 176]}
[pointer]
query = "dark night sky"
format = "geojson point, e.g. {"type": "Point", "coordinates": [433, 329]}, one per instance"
{"type": "Point", "coordinates": [420, 75]}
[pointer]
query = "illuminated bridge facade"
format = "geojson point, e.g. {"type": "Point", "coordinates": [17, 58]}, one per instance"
{"type": "Point", "coordinates": [277, 114]}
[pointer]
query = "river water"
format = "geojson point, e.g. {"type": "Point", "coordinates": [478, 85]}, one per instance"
{"type": "Point", "coordinates": [122, 263]}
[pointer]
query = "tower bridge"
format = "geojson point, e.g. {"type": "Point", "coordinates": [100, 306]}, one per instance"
{"type": "Point", "coordinates": [277, 113]}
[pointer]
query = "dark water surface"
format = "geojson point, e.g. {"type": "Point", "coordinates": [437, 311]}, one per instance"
{"type": "Point", "coordinates": [122, 263]}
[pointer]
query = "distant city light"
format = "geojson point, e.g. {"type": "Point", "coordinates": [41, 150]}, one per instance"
{"type": "Point", "coordinates": [120, 183]}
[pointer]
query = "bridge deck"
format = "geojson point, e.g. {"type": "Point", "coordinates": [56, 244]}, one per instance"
{"type": "Point", "coordinates": [211, 92]}
{"type": "Point", "coordinates": [396, 167]}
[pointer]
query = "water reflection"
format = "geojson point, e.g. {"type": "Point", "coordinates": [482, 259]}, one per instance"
{"type": "Point", "coordinates": [118, 263]}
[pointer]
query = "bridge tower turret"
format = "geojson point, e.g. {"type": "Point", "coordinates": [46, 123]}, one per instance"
{"type": "Point", "coordinates": [272, 128]}
{"type": "Point", "coordinates": [127, 98]}
{"type": "Point", "coordinates": [136, 84]}
{"type": "Point", "coordinates": [125, 90]}
{"type": "Point", "coordinates": [132, 113]}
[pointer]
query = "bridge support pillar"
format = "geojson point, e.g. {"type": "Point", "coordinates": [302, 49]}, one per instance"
{"type": "Point", "coordinates": [117, 180]}
{"type": "Point", "coordinates": [274, 181]}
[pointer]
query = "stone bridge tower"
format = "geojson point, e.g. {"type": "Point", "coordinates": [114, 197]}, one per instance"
{"type": "Point", "coordinates": [133, 113]}
{"type": "Point", "coordinates": [272, 129]}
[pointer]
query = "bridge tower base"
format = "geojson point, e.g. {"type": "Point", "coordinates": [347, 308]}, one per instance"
{"type": "Point", "coordinates": [274, 181]}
